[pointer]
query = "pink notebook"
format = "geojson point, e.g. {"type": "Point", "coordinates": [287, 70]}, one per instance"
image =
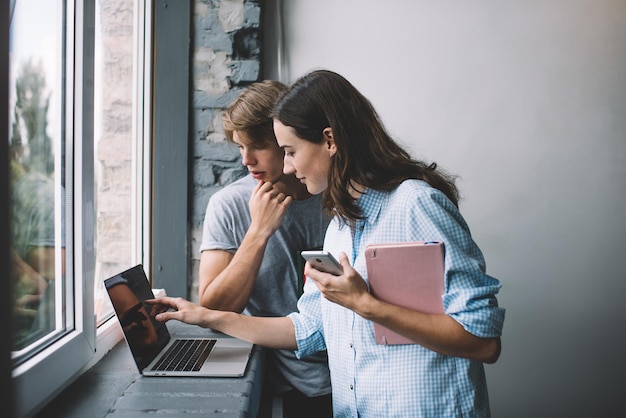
{"type": "Point", "coordinates": [409, 274]}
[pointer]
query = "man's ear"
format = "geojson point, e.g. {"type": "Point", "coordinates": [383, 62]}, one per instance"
{"type": "Point", "coordinates": [329, 140]}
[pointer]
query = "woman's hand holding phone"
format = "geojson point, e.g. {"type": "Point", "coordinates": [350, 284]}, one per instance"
{"type": "Point", "coordinates": [323, 261]}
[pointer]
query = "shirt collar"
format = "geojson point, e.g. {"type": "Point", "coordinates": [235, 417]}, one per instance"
{"type": "Point", "coordinates": [371, 203]}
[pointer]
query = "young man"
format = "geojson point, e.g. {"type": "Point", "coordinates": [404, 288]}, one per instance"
{"type": "Point", "coordinates": [254, 230]}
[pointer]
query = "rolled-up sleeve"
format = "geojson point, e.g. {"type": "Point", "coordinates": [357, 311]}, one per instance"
{"type": "Point", "coordinates": [308, 322]}
{"type": "Point", "coordinates": [470, 293]}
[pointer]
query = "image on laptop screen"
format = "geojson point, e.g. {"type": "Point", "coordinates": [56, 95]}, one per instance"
{"type": "Point", "coordinates": [145, 335]}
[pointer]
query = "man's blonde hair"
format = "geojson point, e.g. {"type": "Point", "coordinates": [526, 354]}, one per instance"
{"type": "Point", "coordinates": [251, 113]}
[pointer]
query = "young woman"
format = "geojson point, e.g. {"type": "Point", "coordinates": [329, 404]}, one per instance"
{"type": "Point", "coordinates": [336, 145]}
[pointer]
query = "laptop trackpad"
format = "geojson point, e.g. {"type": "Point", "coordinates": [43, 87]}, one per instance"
{"type": "Point", "coordinates": [229, 357]}
{"type": "Point", "coordinates": [223, 354]}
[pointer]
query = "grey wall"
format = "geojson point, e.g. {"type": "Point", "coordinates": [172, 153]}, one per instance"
{"type": "Point", "coordinates": [526, 101]}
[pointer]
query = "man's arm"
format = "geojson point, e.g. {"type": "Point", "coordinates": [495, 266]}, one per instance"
{"type": "Point", "coordinates": [226, 280]}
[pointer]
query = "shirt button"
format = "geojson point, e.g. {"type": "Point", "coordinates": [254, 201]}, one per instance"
{"type": "Point", "coordinates": [351, 387]}
{"type": "Point", "coordinates": [351, 345]}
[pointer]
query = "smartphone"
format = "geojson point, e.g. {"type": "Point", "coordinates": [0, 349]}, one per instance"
{"type": "Point", "coordinates": [323, 261]}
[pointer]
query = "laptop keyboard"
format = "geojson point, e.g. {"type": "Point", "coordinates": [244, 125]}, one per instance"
{"type": "Point", "coordinates": [185, 355]}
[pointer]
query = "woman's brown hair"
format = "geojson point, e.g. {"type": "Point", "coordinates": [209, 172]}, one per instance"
{"type": "Point", "coordinates": [366, 154]}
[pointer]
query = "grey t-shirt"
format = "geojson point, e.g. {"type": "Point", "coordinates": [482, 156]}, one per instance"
{"type": "Point", "coordinates": [278, 285]}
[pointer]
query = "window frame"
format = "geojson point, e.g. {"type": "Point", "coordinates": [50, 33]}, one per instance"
{"type": "Point", "coordinates": [170, 153]}
{"type": "Point", "coordinates": [41, 377]}
{"type": "Point", "coordinates": [162, 232]}
{"type": "Point", "coordinates": [6, 302]}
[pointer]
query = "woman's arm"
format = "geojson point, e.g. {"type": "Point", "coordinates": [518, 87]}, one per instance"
{"type": "Point", "coordinates": [440, 333]}
{"type": "Point", "coordinates": [276, 333]}
{"type": "Point", "coordinates": [437, 332]}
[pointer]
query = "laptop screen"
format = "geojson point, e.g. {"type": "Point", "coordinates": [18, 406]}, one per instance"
{"type": "Point", "coordinates": [145, 335]}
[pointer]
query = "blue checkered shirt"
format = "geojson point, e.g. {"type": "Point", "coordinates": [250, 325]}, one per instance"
{"type": "Point", "coordinates": [372, 380]}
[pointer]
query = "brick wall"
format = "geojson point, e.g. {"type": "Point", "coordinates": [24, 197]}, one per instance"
{"type": "Point", "coordinates": [226, 58]}
{"type": "Point", "coordinates": [113, 137]}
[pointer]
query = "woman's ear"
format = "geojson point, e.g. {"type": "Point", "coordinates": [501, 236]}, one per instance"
{"type": "Point", "coordinates": [329, 140]}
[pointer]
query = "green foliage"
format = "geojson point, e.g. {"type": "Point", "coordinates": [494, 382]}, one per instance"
{"type": "Point", "coordinates": [31, 119]}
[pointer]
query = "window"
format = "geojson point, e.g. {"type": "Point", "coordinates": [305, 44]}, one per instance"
{"type": "Point", "coordinates": [37, 150]}
{"type": "Point", "coordinates": [78, 180]}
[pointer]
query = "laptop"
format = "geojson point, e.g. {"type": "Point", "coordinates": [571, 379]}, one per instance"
{"type": "Point", "coordinates": [158, 353]}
